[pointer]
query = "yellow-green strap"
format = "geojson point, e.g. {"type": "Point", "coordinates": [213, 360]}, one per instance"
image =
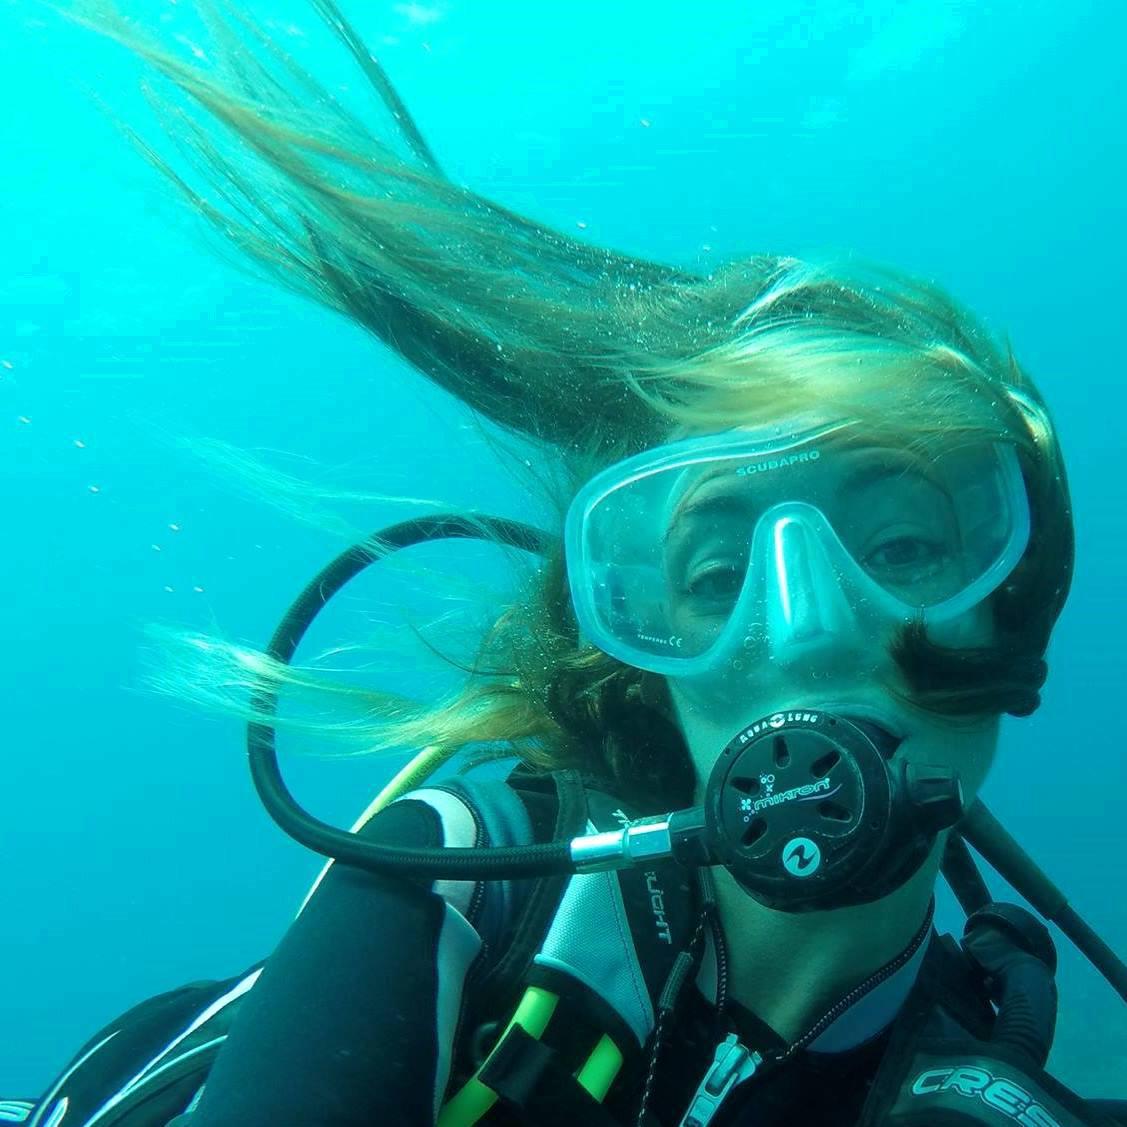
{"type": "Point", "coordinates": [602, 1066]}
{"type": "Point", "coordinates": [474, 1099]}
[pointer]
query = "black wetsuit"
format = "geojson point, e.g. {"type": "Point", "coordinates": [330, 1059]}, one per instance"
{"type": "Point", "coordinates": [356, 1016]}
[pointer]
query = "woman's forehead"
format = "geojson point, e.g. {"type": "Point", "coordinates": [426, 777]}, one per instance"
{"type": "Point", "coordinates": [836, 467]}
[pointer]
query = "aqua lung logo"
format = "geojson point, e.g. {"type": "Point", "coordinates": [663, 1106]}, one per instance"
{"type": "Point", "coordinates": [801, 857]}
{"type": "Point", "coordinates": [656, 894]}
{"type": "Point", "coordinates": [778, 463]}
{"type": "Point", "coordinates": [974, 1083]}
{"type": "Point", "coordinates": [775, 721]}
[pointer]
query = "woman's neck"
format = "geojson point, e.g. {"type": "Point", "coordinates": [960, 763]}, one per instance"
{"type": "Point", "coordinates": [789, 968]}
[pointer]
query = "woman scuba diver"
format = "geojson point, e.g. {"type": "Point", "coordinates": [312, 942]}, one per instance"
{"type": "Point", "coordinates": [814, 537]}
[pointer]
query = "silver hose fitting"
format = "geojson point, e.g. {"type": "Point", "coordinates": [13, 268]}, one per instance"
{"type": "Point", "coordinates": [635, 844]}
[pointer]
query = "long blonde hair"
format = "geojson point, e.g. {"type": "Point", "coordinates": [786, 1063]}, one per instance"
{"type": "Point", "coordinates": [592, 354]}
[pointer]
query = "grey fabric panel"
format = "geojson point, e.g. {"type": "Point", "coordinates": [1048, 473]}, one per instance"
{"type": "Point", "coordinates": [505, 821]}
{"type": "Point", "coordinates": [459, 830]}
{"type": "Point", "coordinates": [590, 940]}
{"type": "Point", "coordinates": [458, 946]}
{"type": "Point", "coordinates": [458, 943]}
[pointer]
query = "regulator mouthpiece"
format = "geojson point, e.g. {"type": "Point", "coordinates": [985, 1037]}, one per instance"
{"type": "Point", "coordinates": [811, 811]}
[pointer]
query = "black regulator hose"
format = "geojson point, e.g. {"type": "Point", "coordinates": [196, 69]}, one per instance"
{"type": "Point", "coordinates": [961, 873]}
{"type": "Point", "coordinates": [1016, 953]}
{"type": "Point", "coordinates": [327, 840]}
{"type": "Point", "coordinates": [991, 839]}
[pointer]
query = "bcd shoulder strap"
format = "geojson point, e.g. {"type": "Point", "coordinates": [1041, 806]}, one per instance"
{"type": "Point", "coordinates": [501, 982]}
{"type": "Point", "coordinates": [605, 953]}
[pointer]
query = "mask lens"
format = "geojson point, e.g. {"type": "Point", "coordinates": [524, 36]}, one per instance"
{"type": "Point", "coordinates": [664, 548]}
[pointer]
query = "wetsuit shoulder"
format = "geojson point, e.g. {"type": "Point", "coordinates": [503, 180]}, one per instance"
{"type": "Point", "coordinates": [354, 1018]}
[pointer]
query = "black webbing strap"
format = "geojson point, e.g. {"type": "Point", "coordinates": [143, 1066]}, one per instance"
{"type": "Point", "coordinates": [506, 976]}
{"type": "Point", "coordinates": [528, 1077]}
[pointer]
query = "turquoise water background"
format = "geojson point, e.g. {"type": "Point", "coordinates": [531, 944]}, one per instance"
{"type": "Point", "coordinates": [981, 144]}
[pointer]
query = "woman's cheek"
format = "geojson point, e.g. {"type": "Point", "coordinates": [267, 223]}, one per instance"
{"type": "Point", "coordinates": [965, 749]}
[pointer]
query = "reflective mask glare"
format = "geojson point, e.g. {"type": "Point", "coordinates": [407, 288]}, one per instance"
{"type": "Point", "coordinates": [686, 556]}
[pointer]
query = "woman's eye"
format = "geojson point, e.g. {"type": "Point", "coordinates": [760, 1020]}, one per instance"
{"type": "Point", "coordinates": [905, 552]}
{"type": "Point", "coordinates": [722, 582]}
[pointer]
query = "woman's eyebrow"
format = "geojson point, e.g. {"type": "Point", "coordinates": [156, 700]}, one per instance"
{"type": "Point", "coordinates": [731, 503]}
{"type": "Point", "coordinates": [870, 467]}
{"type": "Point", "coordinates": [891, 464]}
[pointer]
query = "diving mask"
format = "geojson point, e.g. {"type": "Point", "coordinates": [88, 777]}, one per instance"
{"type": "Point", "coordinates": [683, 557]}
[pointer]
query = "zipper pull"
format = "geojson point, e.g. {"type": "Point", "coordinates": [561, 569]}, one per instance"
{"type": "Point", "coordinates": [731, 1065]}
